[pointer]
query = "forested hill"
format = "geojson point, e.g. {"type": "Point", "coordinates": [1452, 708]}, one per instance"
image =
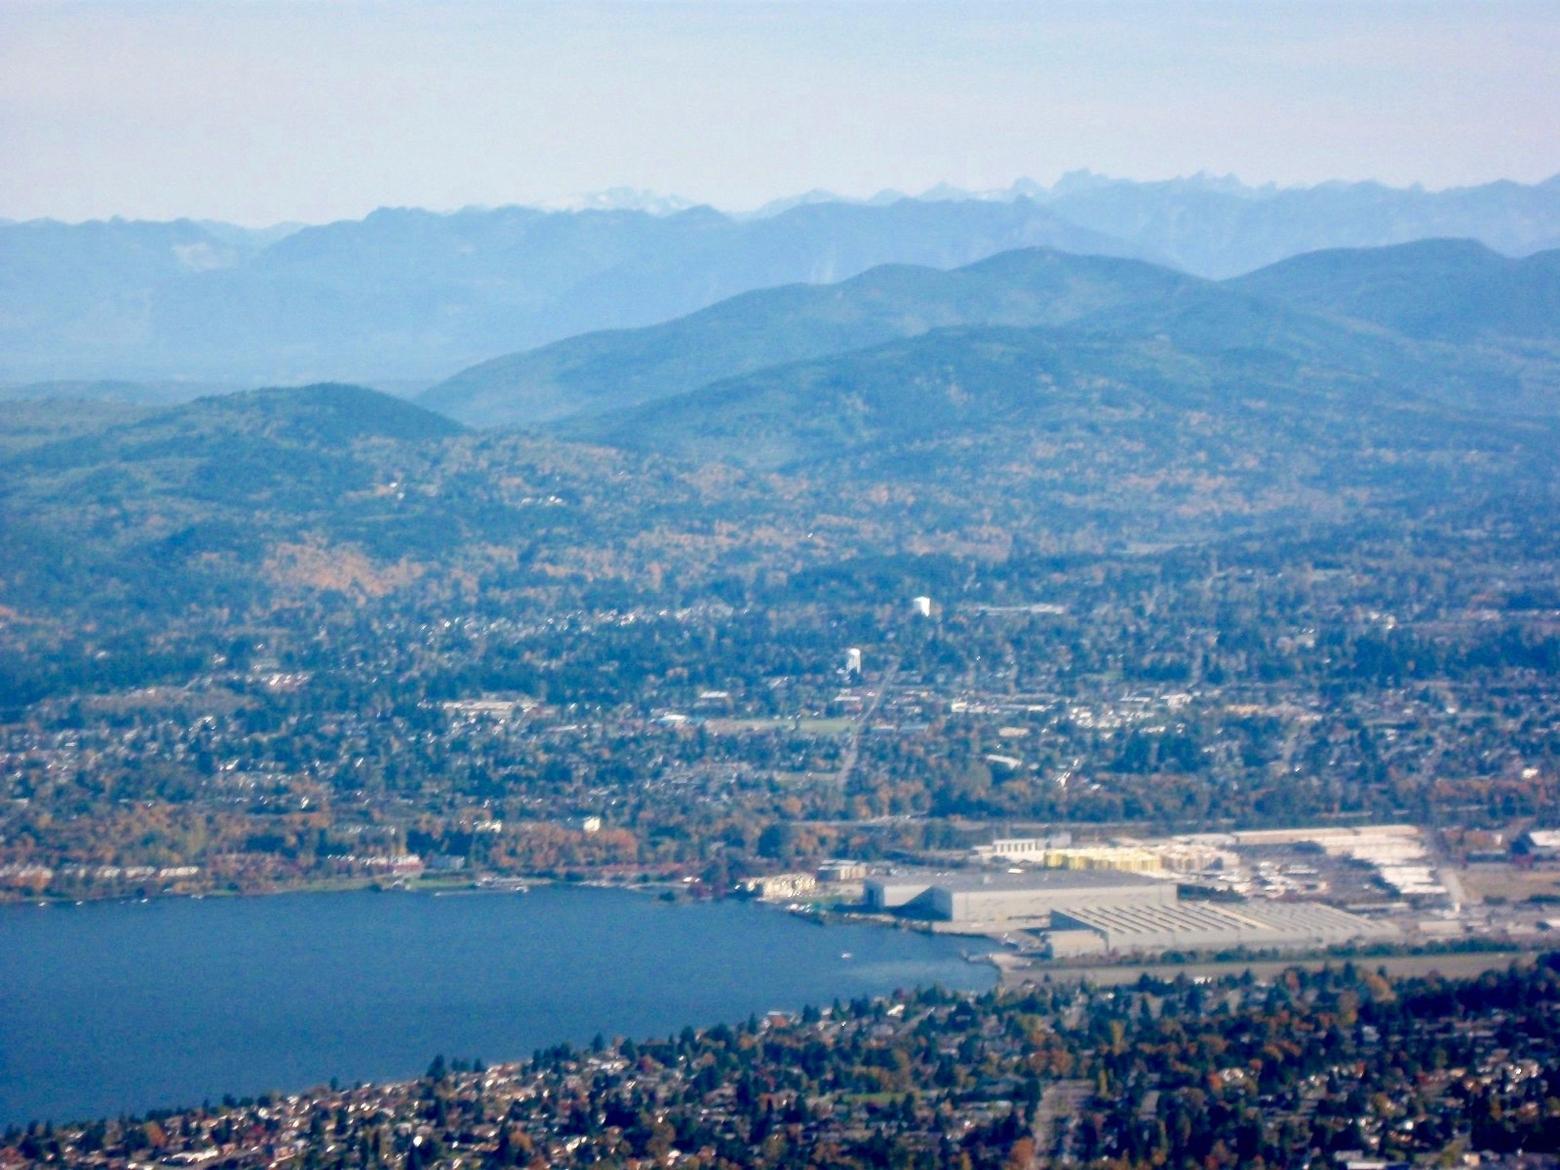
{"type": "Point", "coordinates": [1133, 338]}
{"type": "Point", "coordinates": [318, 417]}
{"type": "Point", "coordinates": [159, 507]}
{"type": "Point", "coordinates": [1452, 290]}
{"type": "Point", "coordinates": [1337, 311]}
{"type": "Point", "coordinates": [994, 408]}
{"type": "Point", "coordinates": [602, 371]}
{"type": "Point", "coordinates": [1036, 392]}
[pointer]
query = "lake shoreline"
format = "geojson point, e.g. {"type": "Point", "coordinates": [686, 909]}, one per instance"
{"type": "Point", "coordinates": [350, 885]}
{"type": "Point", "coordinates": [135, 1006]}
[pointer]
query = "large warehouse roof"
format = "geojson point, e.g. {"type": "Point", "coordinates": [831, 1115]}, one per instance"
{"type": "Point", "coordinates": [966, 881]}
{"type": "Point", "coordinates": [1212, 924]}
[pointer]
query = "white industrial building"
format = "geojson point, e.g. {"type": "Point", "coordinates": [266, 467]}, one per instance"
{"type": "Point", "coordinates": [1209, 926]}
{"type": "Point", "coordinates": [1022, 848]}
{"type": "Point", "coordinates": [839, 869]}
{"type": "Point", "coordinates": [1005, 896]}
{"type": "Point", "coordinates": [897, 891]}
{"type": "Point", "coordinates": [1539, 845]}
{"type": "Point", "coordinates": [994, 898]}
{"type": "Point", "coordinates": [1397, 853]}
{"type": "Point", "coordinates": [1101, 911]}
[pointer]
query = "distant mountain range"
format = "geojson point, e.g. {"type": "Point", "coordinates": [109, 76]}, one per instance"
{"type": "Point", "coordinates": [1315, 312]}
{"type": "Point", "coordinates": [1283, 378]}
{"type": "Point", "coordinates": [602, 371]}
{"type": "Point", "coordinates": [1068, 401]}
{"type": "Point", "coordinates": [408, 296]}
{"type": "Point", "coordinates": [1218, 228]}
{"type": "Point", "coordinates": [149, 393]}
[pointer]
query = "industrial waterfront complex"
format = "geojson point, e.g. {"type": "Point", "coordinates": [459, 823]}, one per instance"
{"type": "Point", "coordinates": [1094, 911]}
{"type": "Point", "coordinates": [1049, 896]}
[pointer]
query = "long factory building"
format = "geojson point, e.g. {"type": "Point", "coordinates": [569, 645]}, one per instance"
{"type": "Point", "coordinates": [1093, 912]}
{"type": "Point", "coordinates": [976, 896]}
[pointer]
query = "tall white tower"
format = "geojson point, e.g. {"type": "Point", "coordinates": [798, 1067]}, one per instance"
{"type": "Point", "coordinates": [853, 661]}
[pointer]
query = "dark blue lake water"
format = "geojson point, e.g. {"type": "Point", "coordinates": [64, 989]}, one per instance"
{"type": "Point", "coordinates": [124, 1007]}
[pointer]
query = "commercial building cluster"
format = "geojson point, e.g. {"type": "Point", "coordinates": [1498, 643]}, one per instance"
{"type": "Point", "coordinates": [1049, 895]}
{"type": "Point", "coordinates": [1088, 912]}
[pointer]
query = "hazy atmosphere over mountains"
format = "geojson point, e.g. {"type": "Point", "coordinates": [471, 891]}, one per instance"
{"type": "Point", "coordinates": [1007, 386]}
{"type": "Point", "coordinates": [406, 297]}
{"type": "Point", "coordinates": [965, 349]}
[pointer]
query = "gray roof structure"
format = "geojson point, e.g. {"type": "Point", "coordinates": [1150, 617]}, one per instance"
{"type": "Point", "coordinates": [1201, 925]}
{"type": "Point", "coordinates": [971, 881]}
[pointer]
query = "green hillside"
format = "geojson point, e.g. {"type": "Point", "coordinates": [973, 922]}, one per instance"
{"type": "Point", "coordinates": [1450, 290]}
{"type": "Point", "coordinates": [1149, 407]}
{"type": "Point", "coordinates": [608, 370]}
{"type": "Point", "coordinates": [239, 449]}
{"type": "Point", "coordinates": [1403, 314]}
{"type": "Point", "coordinates": [193, 496]}
{"type": "Point", "coordinates": [36, 422]}
{"type": "Point", "coordinates": [1198, 347]}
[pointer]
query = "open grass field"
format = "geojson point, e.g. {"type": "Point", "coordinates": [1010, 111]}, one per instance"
{"type": "Point", "coordinates": [1508, 882]}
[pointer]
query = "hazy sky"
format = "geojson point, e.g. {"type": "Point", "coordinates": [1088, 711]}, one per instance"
{"type": "Point", "coordinates": [264, 111]}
